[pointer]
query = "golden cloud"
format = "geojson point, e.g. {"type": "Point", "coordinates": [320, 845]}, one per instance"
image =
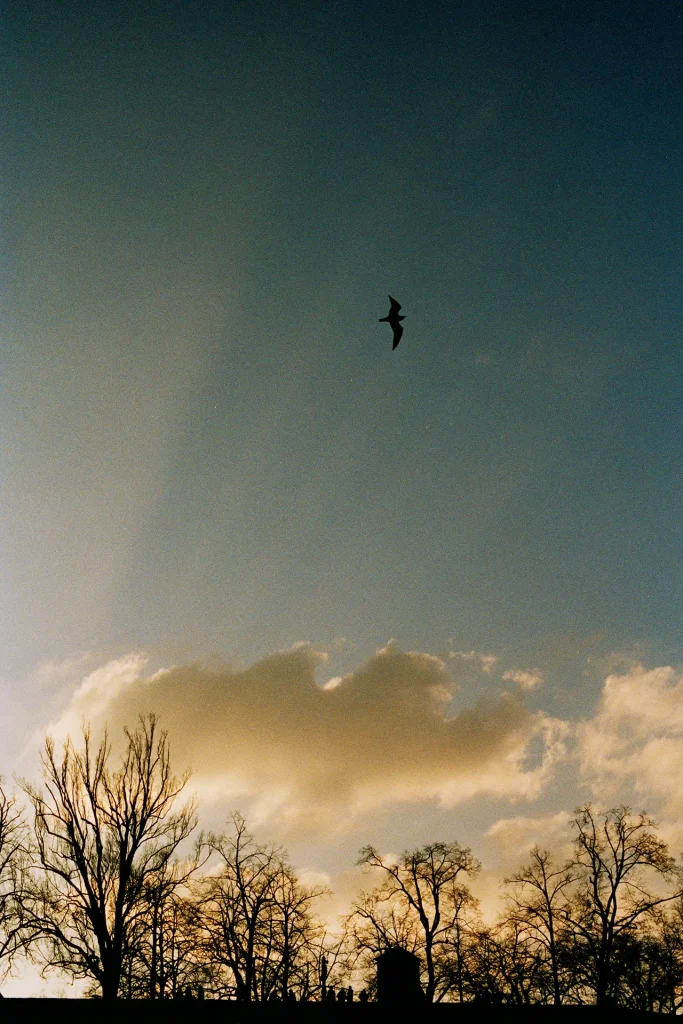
{"type": "Point", "coordinates": [384, 732]}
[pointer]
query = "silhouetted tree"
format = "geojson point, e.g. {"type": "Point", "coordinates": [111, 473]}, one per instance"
{"type": "Point", "coordinates": [16, 933]}
{"type": "Point", "coordinates": [421, 900]}
{"type": "Point", "coordinates": [617, 858]}
{"type": "Point", "coordinates": [638, 971]}
{"type": "Point", "coordinates": [339, 955]}
{"type": "Point", "coordinates": [524, 965]}
{"type": "Point", "coordinates": [375, 924]}
{"type": "Point", "coordinates": [257, 918]}
{"type": "Point", "coordinates": [166, 948]}
{"type": "Point", "coordinates": [667, 933]}
{"type": "Point", "coordinates": [465, 918]}
{"type": "Point", "coordinates": [538, 904]}
{"type": "Point", "coordinates": [296, 933]}
{"type": "Point", "coordinates": [484, 979]}
{"type": "Point", "coordinates": [101, 835]}
{"type": "Point", "coordinates": [648, 963]}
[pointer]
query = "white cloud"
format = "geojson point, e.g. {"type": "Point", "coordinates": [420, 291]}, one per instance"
{"type": "Point", "coordinates": [525, 680]}
{"type": "Point", "coordinates": [475, 659]}
{"type": "Point", "coordinates": [635, 740]}
{"type": "Point", "coordinates": [96, 693]}
{"type": "Point", "coordinates": [513, 838]}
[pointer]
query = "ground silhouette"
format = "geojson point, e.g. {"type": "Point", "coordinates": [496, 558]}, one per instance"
{"type": "Point", "coordinates": [143, 1011]}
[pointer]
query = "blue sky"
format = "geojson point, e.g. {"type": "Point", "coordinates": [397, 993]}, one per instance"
{"type": "Point", "coordinates": [210, 452]}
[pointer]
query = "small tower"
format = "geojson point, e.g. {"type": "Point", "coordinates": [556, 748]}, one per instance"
{"type": "Point", "coordinates": [398, 978]}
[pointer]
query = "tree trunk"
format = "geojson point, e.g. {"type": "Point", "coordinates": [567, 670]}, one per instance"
{"type": "Point", "coordinates": [153, 965]}
{"type": "Point", "coordinates": [431, 982]}
{"type": "Point", "coordinates": [110, 986]}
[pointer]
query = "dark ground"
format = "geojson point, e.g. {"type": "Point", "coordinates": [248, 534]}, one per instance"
{"type": "Point", "coordinates": [85, 1011]}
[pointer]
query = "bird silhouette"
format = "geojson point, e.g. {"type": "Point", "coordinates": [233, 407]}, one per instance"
{"type": "Point", "coordinates": [394, 319]}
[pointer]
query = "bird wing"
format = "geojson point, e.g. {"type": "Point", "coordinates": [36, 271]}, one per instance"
{"type": "Point", "coordinates": [395, 306]}
{"type": "Point", "coordinates": [398, 334]}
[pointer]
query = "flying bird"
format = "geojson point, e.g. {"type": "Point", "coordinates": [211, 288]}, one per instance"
{"type": "Point", "coordinates": [394, 319]}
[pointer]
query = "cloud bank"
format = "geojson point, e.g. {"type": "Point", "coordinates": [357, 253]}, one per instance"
{"type": "Point", "coordinates": [388, 731]}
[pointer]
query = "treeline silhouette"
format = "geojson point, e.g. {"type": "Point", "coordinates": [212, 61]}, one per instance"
{"type": "Point", "coordinates": [96, 883]}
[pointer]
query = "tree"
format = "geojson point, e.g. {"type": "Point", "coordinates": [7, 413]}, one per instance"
{"type": "Point", "coordinates": [519, 967]}
{"type": "Point", "coordinates": [538, 904]}
{"type": "Point", "coordinates": [649, 963]}
{"type": "Point", "coordinates": [101, 835]}
{"type": "Point", "coordinates": [375, 925]}
{"type": "Point", "coordinates": [484, 979]}
{"type": "Point", "coordinates": [617, 858]}
{"type": "Point", "coordinates": [463, 936]}
{"type": "Point", "coordinates": [296, 932]}
{"type": "Point", "coordinates": [421, 901]}
{"type": "Point", "coordinates": [166, 948]}
{"type": "Point", "coordinates": [257, 917]}
{"type": "Point", "coordinates": [16, 933]}
{"type": "Point", "coordinates": [667, 932]}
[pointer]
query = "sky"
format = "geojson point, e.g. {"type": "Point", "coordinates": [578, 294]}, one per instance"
{"type": "Point", "coordinates": [381, 596]}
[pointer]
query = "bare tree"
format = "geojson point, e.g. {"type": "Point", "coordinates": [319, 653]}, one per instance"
{"type": "Point", "coordinates": [297, 933]}
{"type": "Point", "coordinates": [16, 933]}
{"type": "Point", "coordinates": [639, 972]}
{"type": "Point", "coordinates": [465, 922]}
{"type": "Point", "coordinates": [667, 936]}
{"type": "Point", "coordinates": [374, 925]}
{"type": "Point", "coordinates": [617, 859]}
{"type": "Point", "coordinates": [538, 904]}
{"type": "Point", "coordinates": [100, 836]}
{"type": "Point", "coordinates": [377, 924]}
{"type": "Point", "coordinates": [484, 980]}
{"type": "Point", "coordinates": [521, 966]}
{"type": "Point", "coordinates": [257, 917]}
{"type": "Point", "coordinates": [669, 933]}
{"type": "Point", "coordinates": [166, 948]}
{"type": "Point", "coordinates": [420, 898]}
{"type": "Point", "coordinates": [648, 963]}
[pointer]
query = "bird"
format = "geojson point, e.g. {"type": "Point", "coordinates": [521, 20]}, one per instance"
{"type": "Point", "coordinates": [393, 319]}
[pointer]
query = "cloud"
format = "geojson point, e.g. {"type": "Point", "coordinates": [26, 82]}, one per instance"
{"type": "Point", "coordinates": [385, 732]}
{"type": "Point", "coordinates": [507, 846]}
{"type": "Point", "coordinates": [95, 695]}
{"type": "Point", "coordinates": [635, 739]}
{"type": "Point", "coordinates": [525, 680]}
{"type": "Point", "coordinates": [513, 838]}
{"type": "Point", "coordinates": [474, 659]}
{"type": "Point", "coordinates": [54, 672]}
